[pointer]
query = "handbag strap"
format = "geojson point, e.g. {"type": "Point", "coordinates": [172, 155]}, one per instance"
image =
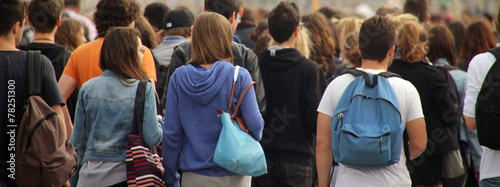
{"type": "Point", "coordinates": [241, 98]}
{"type": "Point", "coordinates": [140, 98]}
{"type": "Point", "coordinates": [236, 71]}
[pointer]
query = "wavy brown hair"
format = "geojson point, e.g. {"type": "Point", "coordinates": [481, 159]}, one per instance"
{"type": "Point", "coordinates": [212, 38]}
{"type": "Point", "coordinates": [478, 39]}
{"type": "Point", "coordinates": [119, 54]}
{"type": "Point", "coordinates": [350, 49]}
{"type": "Point", "coordinates": [321, 37]}
{"type": "Point", "coordinates": [410, 40]}
{"type": "Point", "coordinates": [69, 33]}
{"type": "Point", "coordinates": [115, 13]}
{"type": "Point", "coordinates": [442, 45]}
{"type": "Point", "coordinates": [147, 32]}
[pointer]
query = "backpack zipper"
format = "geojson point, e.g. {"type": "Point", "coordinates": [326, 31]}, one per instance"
{"type": "Point", "coordinates": [38, 125]}
{"type": "Point", "coordinates": [340, 116]}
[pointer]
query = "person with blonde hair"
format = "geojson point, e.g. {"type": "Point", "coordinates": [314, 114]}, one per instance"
{"type": "Point", "coordinates": [435, 97]}
{"type": "Point", "coordinates": [195, 92]}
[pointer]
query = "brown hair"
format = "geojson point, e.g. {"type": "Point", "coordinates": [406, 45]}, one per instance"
{"type": "Point", "coordinates": [119, 54]}
{"type": "Point", "coordinates": [43, 14]}
{"type": "Point", "coordinates": [263, 42]}
{"type": "Point", "coordinates": [212, 38]}
{"type": "Point", "coordinates": [180, 31]}
{"type": "Point", "coordinates": [442, 45]}
{"type": "Point", "coordinates": [322, 38]}
{"type": "Point", "coordinates": [147, 32]}
{"type": "Point", "coordinates": [478, 39]}
{"type": "Point", "coordinates": [411, 38]}
{"type": "Point", "coordinates": [376, 38]}
{"type": "Point", "coordinates": [115, 13]}
{"type": "Point", "coordinates": [351, 49]}
{"type": "Point", "coordinates": [69, 33]}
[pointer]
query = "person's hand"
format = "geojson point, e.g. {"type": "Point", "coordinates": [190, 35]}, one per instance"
{"type": "Point", "coordinates": [66, 184]}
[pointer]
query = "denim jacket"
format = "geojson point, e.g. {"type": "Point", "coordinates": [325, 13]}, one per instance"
{"type": "Point", "coordinates": [103, 119]}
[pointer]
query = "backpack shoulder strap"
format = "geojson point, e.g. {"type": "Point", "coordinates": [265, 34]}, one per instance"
{"type": "Point", "coordinates": [355, 72]}
{"type": "Point", "coordinates": [140, 97]}
{"type": "Point", "coordinates": [387, 74]}
{"type": "Point", "coordinates": [34, 72]}
{"type": "Point", "coordinates": [496, 52]}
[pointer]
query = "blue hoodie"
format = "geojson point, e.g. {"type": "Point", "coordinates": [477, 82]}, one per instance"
{"type": "Point", "coordinates": [192, 127]}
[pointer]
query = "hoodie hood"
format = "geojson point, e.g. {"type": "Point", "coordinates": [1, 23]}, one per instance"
{"type": "Point", "coordinates": [51, 51]}
{"type": "Point", "coordinates": [280, 59]}
{"type": "Point", "coordinates": [202, 85]}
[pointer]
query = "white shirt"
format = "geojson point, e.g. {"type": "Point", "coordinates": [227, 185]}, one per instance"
{"type": "Point", "coordinates": [411, 109]}
{"type": "Point", "coordinates": [478, 69]}
{"type": "Point", "coordinates": [84, 20]}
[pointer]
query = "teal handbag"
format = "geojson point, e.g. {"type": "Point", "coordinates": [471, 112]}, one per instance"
{"type": "Point", "coordinates": [237, 150]}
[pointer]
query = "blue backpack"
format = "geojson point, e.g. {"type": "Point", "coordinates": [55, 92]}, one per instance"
{"type": "Point", "coordinates": [367, 129]}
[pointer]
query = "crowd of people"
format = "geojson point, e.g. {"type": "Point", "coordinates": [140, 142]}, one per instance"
{"type": "Point", "coordinates": [442, 73]}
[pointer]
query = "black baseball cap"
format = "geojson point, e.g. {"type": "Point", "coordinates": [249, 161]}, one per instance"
{"type": "Point", "coordinates": [178, 18]}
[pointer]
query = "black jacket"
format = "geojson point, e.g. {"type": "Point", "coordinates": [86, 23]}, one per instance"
{"type": "Point", "coordinates": [436, 104]}
{"type": "Point", "coordinates": [242, 56]}
{"type": "Point", "coordinates": [294, 86]}
{"type": "Point", "coordinates": [59, 55]}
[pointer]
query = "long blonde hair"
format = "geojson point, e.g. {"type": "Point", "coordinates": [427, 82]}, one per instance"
{"type": "Point", "coordinates": [410, 40]}
{"type": "Point", "coordinates": [212, 38]}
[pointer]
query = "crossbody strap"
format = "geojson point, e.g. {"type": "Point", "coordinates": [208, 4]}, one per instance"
{"type": "Point", "coordinates": [140, 98]}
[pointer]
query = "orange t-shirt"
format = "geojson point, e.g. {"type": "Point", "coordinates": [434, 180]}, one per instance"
{"type": "Point", "coordinates": [83, 64]}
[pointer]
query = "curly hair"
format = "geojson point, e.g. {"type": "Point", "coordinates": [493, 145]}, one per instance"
{"type": "Point", "coordinates": [115, 13]}
{"type": "Point", "coordinates": [321, 36]}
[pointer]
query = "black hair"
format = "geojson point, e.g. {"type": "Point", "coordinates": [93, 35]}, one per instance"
{"type": "Point", "coordinates": [283, 20]}
{"type": "Point", "coordinates": [223, 7]}
{"type": "Point", "coordinates": [11, 11]}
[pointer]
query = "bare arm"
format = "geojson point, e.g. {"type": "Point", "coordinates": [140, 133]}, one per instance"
{"type": "Point", "coordinates": [470, 122]}
{"type": "Point", "coordinates": [324, 149]}
{"type": "Point", "coordinates": [67, 85]}
{"type": "Point", "coordinates": [417, 135]}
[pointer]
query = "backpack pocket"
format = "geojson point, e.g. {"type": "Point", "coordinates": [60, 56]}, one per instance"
{"type": "Point", "coordinates": [58, 167]}
{"type": "Point", "coordinates": [365, 144]}
{"type": "Point", "coordinates": [492, 127]}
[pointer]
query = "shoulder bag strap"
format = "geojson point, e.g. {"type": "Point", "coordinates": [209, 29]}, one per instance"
{"type": "Point", "coordinates": [241, 98]}
{"type": "Point", "coordinates": [140, 97]}
{"type": "Point", "coordinates": [236, 71]}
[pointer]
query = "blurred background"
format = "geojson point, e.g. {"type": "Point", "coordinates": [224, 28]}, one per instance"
{"type": "Point", "coordinates": [445, 8]}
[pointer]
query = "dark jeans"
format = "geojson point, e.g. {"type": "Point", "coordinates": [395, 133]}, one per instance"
{"type": "Point", "coordinates": [285, 174]}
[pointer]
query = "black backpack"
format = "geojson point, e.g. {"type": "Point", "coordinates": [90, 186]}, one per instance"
{"type": "Point", "coordinates": [455, 114]}
{"type": "Point", "coordinates": [488, 106]}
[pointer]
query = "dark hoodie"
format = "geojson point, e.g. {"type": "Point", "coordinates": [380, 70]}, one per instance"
{"type": "Point", "coordinates": [295, 85]}
{"type": "Point", "coordinates": [192, 127]}
{"type": "Point", "coordinates": [59, 56]}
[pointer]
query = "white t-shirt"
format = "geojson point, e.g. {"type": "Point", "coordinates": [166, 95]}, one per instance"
{"type": "Point", "coordinates": [478, 69]}
{"type": "Point", "coordinates": [411, 109]}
